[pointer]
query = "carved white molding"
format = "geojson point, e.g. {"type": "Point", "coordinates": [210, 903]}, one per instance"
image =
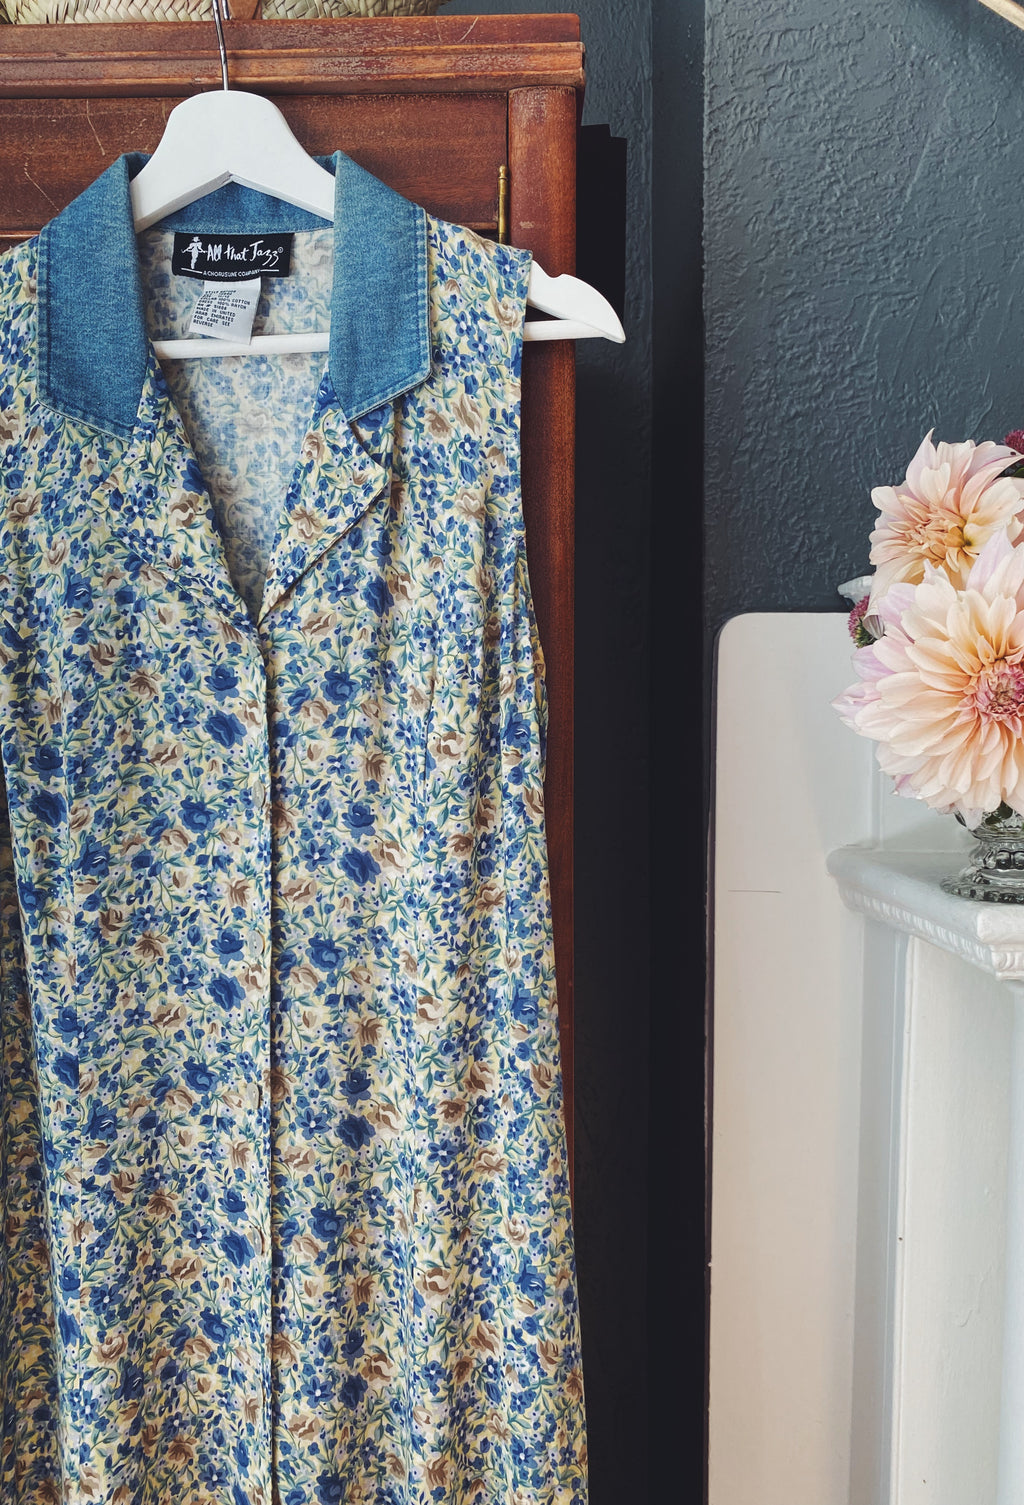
{"type": "Point", "coordinates": [901, 889]}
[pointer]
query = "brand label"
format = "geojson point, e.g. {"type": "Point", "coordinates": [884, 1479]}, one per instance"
{"type": "Point", "coordinates": [226, 310]}
{"type": "Point", "coordinates": [231, 258]}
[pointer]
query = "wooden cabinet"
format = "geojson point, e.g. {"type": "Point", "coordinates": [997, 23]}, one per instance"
{"type": "Point", "coordinates": [433, 106]}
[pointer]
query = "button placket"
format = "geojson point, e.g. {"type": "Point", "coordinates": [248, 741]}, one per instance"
{"type": "Point", "coordinates": [263, 1095]}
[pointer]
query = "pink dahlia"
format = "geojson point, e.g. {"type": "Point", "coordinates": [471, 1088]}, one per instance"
{"type": "Point", "coordinates": [953, 500]}
{"type": "Point", "coordinates": [942, 691]}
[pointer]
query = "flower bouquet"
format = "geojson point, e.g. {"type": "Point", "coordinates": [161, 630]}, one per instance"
{"type": "Point", "coordinates": [939, 634]}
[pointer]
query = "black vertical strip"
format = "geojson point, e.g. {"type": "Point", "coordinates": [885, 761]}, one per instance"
{"type": "Point", "coordinates": [679, 769]}
{"type": "Point", "coordinates": [601, 213]}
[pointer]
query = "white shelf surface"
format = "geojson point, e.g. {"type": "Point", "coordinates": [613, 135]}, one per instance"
{"type": "Point", "coordinates": [901, 889]}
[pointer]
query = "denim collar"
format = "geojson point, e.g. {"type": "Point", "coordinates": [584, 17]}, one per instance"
{"type": "Point", "coordinates": [93, 347]}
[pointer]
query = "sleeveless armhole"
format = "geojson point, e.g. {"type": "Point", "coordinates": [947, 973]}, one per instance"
{"type": "Point", "coordinates": [519, 278]}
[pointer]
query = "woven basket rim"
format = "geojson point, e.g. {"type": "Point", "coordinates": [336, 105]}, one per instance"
{"type": "Point", "coordinates": [72, 12]}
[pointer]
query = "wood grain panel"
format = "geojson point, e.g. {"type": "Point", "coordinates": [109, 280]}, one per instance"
{"type": "Point", "coordinates": [542, 163]}
{"type": "Point", "coordinates": [413, 54]}
{"type": "Point", "coordinates": [441, 151]}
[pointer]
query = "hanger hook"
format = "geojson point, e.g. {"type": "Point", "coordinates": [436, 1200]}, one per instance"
{"type": "Point", "coordinates": [220, 44]}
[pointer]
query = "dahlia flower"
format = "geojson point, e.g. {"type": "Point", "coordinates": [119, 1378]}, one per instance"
{"type": "Point", "coordinates": [942, 691]}
{"type": "Point", "coordinates": [953, 500]}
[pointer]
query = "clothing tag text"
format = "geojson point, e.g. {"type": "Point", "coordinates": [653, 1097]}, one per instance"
{"type": "Point", "coordinates": [231, 258]}
{"type": "Point", "coordinates": [226, 310]}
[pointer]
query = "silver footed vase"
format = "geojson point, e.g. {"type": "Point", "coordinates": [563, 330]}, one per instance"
{"type": "Point", "coordinates": [995, 870]}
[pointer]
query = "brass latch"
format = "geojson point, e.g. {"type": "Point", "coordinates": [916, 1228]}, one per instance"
{"type": "Point", "coordinates": [503, 196]}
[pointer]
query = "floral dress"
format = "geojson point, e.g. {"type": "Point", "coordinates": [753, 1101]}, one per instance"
{"type": "Point", "coordinates": [282, 1160]}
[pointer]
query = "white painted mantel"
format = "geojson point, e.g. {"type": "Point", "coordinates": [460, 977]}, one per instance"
{"type": "Point", "coordinates": [938, 1397]}
{"type": "Point", "coordinates": [867, 1246]}
{"type": "Point", "coordinates": [901, 889]}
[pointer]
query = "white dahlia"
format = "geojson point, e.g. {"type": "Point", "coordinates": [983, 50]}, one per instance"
{"type": "Point", "coordinates": [954, 499]}
{"type": "Point", "coordinates": [942, 691]}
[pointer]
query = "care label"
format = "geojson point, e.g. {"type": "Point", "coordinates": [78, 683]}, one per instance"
{"type": "Point", "coordinates": [231, 258]}
{"type": "Point", "coordinates": [226, 310]}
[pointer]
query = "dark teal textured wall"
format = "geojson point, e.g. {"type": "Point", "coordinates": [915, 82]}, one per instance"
{"type": "Point", "coordinates": [864, 234]}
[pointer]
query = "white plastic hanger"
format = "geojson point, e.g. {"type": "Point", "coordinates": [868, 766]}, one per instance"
{"type": "Point", "coordinates": [229, 135]}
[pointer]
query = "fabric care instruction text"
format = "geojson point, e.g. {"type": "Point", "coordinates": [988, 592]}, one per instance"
{"type": "Point", "coordinates": [226, 310]}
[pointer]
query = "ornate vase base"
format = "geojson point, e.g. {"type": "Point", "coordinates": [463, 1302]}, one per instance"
{"type": "Point", "coordinates": [975, 883]}
{"type": "Point", "coordinates": [995, 873]}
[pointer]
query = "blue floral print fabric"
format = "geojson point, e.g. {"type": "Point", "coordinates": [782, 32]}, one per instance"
{"type": "Point", "coordinates": [282, 1160]}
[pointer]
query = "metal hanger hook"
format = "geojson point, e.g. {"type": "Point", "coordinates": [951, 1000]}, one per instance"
{"type": "Point", "coordinates": [220, 44]}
